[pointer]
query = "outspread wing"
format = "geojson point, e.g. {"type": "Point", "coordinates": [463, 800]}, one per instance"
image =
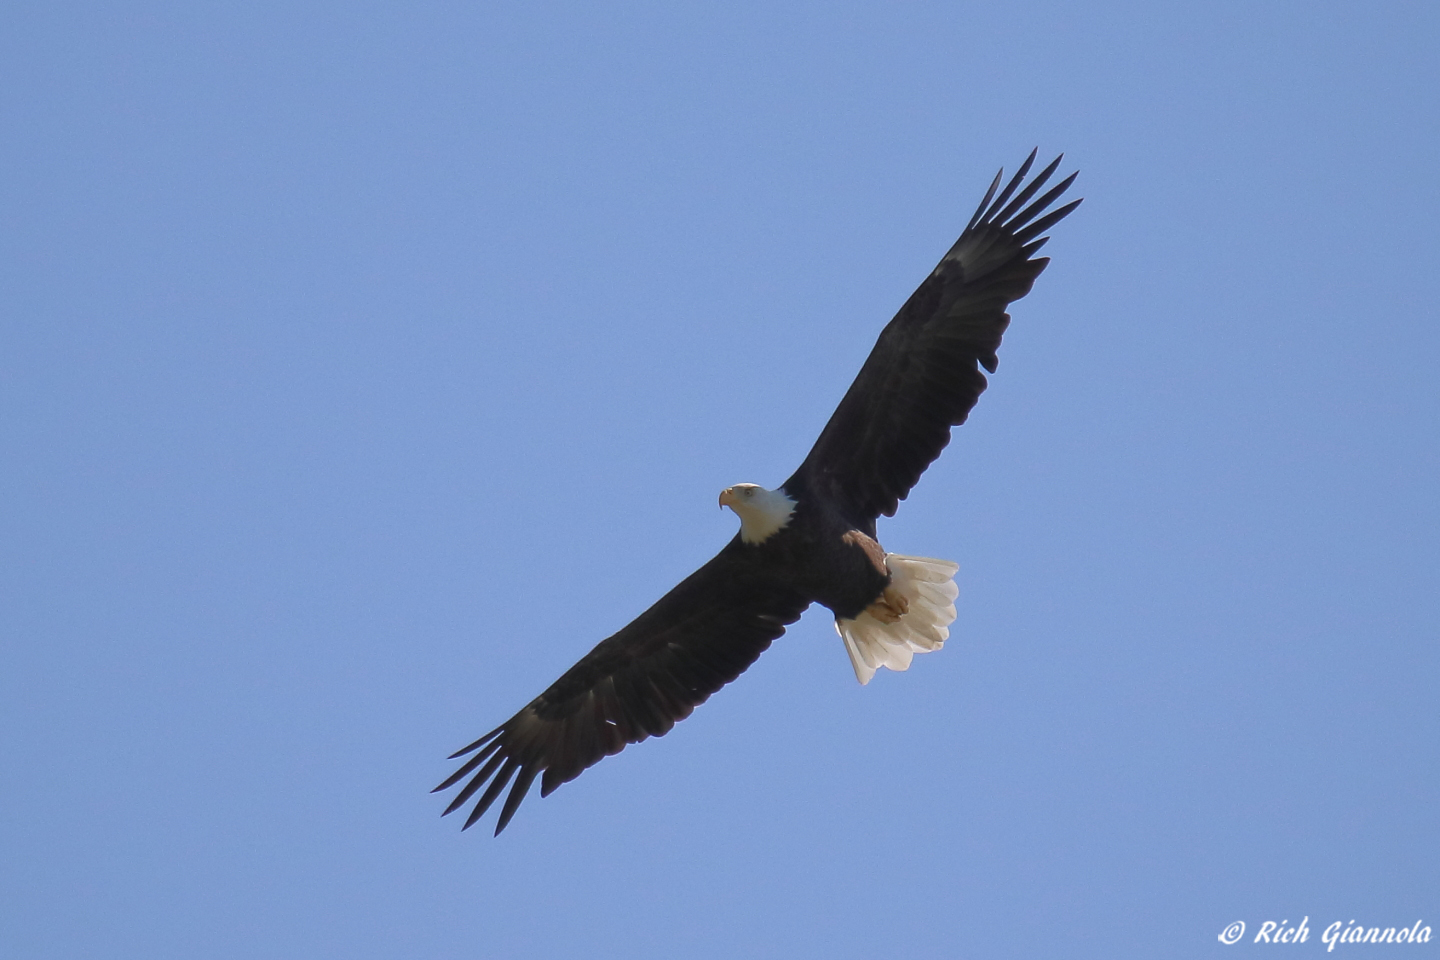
{"type": "Point", "coordinates": [637, 684]}
{"type": "Point", "coordinates": [923, 377]}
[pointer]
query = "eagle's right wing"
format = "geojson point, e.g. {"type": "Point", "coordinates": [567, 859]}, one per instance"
{"type": "Point", "coordinates": [637, 684]}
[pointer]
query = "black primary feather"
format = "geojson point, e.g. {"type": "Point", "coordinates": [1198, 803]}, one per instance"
{"type": "Point", "coordinates": [922, 378]}
{"type": "Point", "coordinates": [634, 685]}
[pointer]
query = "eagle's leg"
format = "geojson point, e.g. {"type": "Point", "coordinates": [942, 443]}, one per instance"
{"type": "Point", "coordinates": [891, 606]}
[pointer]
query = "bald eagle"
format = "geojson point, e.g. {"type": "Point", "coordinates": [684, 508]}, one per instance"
{"type": "Point", "coordinates": [810, 540]}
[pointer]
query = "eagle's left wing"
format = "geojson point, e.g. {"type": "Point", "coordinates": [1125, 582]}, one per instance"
{"type": "Point", "coordinates": [923, 376]}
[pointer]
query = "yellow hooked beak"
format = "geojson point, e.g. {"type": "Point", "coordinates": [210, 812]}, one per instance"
{"type": "Point", "coordinates": [727, 497]}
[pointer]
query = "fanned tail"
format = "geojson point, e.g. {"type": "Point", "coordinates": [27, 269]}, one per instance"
{"type": "Point", "coordinates": [929, 586]}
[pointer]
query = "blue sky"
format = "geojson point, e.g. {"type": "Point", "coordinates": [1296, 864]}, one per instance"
{"type": "Point", "coordinates": [362, 365]}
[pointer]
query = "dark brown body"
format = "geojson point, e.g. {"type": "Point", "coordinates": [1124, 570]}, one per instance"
{"type": "Point", "coordinates": [825, 559]}
{"type": "Point", "coordinates": [921, 379]}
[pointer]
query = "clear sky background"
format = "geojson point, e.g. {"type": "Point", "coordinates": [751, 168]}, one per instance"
{"type": "Point", "coordinates": [362, 365]}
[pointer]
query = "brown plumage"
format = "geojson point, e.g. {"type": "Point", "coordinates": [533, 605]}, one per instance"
{"type": "Point", "coordinates": [816, 540]}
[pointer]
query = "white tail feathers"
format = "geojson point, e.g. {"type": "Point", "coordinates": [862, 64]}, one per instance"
{"type": "Point", "coordinates": [929, 587]}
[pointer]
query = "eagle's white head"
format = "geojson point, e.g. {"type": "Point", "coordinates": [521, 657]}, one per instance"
{"type": "Point", "coordinates": [762, 512]}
